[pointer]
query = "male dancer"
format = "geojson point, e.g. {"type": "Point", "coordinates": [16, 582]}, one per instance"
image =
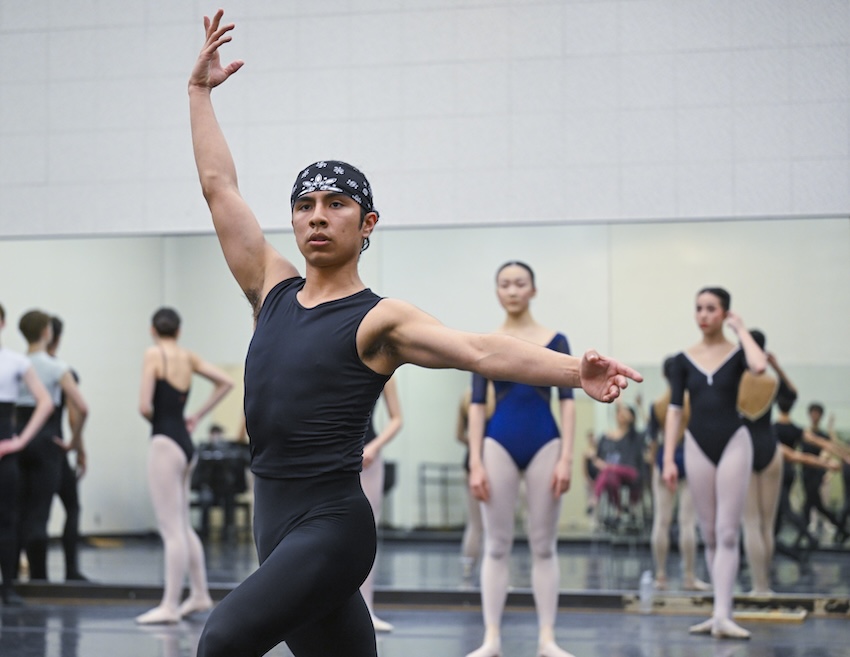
{"type": "Point", "coordinates": [68, 489]}
{"type": "Point", "coordinates": [41, 460]}
{"type": "Point", "coordinates": [324, 346]}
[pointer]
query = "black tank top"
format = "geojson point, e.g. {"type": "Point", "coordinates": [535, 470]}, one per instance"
{"type": "Point", "coordinates": [169, 404]}
{"type": "Point", "coordinates": [308, 395]}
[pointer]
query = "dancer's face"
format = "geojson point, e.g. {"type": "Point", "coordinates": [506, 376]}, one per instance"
{"type": "Point", "coordinates": [328, 227]}
{"type": "Point", "coordinates": [815, 416]}
{"type": "Point", "coordinates": [515, 289]}
{"type": "Point", "coordinates": [709, 313]}
{"type": "Point", "coordinates": [624, 416]}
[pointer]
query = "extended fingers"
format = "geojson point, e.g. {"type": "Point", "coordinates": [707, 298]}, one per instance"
{"type": "Point", "coordinates": [633, 374]}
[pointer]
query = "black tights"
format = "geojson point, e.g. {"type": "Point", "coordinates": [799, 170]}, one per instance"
{"type": "Point", "coordinates": [69, 496]}
{"type": "Point", "coordinates": [316, 544]}
{"type": "Point", "coordinates": [9, 544]}
{"type": "Point", "coordinates": [41, 472]}
{"type": "Point", "coordinates": [786, 512]}
{"type": "Point", "coordinates": [813, 500]}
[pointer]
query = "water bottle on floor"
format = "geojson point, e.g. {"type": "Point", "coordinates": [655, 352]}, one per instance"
{"type": "Point", "coordinates": [646, 592]}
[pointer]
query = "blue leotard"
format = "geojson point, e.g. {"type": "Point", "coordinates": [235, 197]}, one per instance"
{"type": "Point", "coordinates": [168, 420]}
{"type": "Point", "coordinates": [714, 397]}
{"type": "Point", "coordinates": [522, 422]}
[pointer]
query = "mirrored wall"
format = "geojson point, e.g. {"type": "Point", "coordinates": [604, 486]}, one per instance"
{"type": "Point", "coordinates": [625, 289]}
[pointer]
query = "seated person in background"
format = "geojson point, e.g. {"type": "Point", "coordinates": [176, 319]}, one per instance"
{"type": "Point", "coordinates": [619, 459]}
{"type": "Point", "coordinates": [219, 477]}
{"type": "Point", "coordinates": [590, 471]}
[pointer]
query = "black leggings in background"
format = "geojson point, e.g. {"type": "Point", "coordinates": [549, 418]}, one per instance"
{"type": "Point", "coordinates": [40, 472]}
{"type": "Point", "coordinates": [786, 512]}
{"type": "Point", "coordinates": [813, 500]}
{"type": "Point", "coordinates": [316, 544]}
{"type": "Point", "coordinates": [9, 543]}
{"type": "Point", "coordinates": [69, 495]}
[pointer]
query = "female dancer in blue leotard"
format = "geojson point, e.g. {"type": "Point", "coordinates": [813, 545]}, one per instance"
{"type": "Point", "coordinates": [521, 442]}
{"type": "Point", "coordinates": [166, 376]}
{"type": "Point", "coordinates": [718, 448]}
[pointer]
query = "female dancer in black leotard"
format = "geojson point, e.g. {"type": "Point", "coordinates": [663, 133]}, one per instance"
{"type": "Point", "coordinates": [15, 369]}
{"type": "Point", "coordinates": [166, 376]}
{"type": "Point", "coordinates": [718, 448]}
{"type": "Point", "coordinates": [664, 499]}
{"type": "Point", "coordinates": [765, 485]}
{"type": "Point", "coordinates": [324, 346]}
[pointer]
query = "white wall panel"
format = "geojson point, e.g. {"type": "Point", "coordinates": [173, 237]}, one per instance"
{"type": "Point", "coordinates": [758, 24]}
{"type": "Point", "coordinates": [819, 74]}
{"type": "Point", "coordinates": [818, 21]}
{"type": "Point", "coordinates": [704, 190]}
{"type": "Point", "coordinates": [762, 132]}
{"type": "Point", "coordinates": [820, 131]}
{"type": "Point", "coordinates": [649, 191]}
{"type": "Point", "coordinates": [705, 134]}
{"type": "Point", "coordinates": [761, 76]}
{"type": "Point", "coordinates": [762, 187]}
{"type": "Point", "coordinates": [822, 185]}
{"type": "Point", "coordinates": [591, 90]}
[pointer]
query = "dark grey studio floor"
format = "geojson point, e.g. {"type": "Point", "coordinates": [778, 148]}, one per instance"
{"type": "Point", "coordinates": [422, 592]}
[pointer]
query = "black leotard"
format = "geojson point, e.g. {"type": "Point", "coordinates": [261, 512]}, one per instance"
{"type": "Point", "coordinates": [763, 436]}
{"type": "Point", "coordinates": [308, 399]}
{"type": "Point", "coordinates": [168, 420]}
{"type": "Point", "coordinates": [714, 396]}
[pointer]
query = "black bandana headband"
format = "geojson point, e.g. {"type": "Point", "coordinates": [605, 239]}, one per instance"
{"type": "Point", "coordinates": [334, 176]}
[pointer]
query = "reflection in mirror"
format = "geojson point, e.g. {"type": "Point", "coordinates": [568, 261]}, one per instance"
{"type": "Point", "coordinates": [625, 289]}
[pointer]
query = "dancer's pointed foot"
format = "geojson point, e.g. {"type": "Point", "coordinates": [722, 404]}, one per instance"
{"type": "Point", "coordinates": [195, 605]}
{"type": "Point", "coordinates": [728, 629]}
{"type": "Point", "coordinates": [381, 625]}
{"type": "Point", "coordinates": [551, 649]}
{"type": "Point", "coordinates": [702, 628]}
{"type": "Point", "coordinates": [695, 584]}
{"type": "Point", "coordinates": [489, 649]}
{"type": "Point", "coordinates": [159, 616]}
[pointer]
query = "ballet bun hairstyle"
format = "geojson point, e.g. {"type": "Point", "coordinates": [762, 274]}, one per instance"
{"type": "Point", "coordinates": [517, 263]}
{"type": "Point", "coordinates": [166, 322]}
{"type": "Point", "coordinates": [720, 293]}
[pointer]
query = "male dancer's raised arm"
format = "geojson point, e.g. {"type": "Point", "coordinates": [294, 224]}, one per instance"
{"type": "Point", "coordinates": [255, 264]}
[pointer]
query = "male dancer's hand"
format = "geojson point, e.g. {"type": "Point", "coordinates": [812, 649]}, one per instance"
{"type": "Point", "coordinates": [208, 72]}
{"type": "Point", "coordinates": [604, 378]}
